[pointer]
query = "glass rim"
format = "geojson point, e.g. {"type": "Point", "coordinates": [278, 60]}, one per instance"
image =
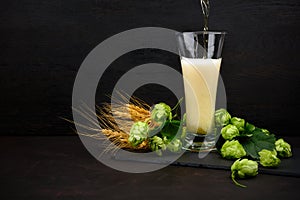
{"type": "Point", "coordinates": [204, 32]}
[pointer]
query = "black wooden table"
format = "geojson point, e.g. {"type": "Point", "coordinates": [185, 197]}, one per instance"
{"type": "Point", "coordinates": [61, 168]}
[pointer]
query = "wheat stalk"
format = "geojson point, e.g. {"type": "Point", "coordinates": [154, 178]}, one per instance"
{"type": "Point", "coordinates": [120, 140]}
{"type": "Point", "coordinates": [115, 121]}
{"type": "Point", "coordinates": [121, 116]}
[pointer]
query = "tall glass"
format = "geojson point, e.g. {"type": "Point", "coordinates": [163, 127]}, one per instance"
{"type": "Point", "coordinates": [200, 56]}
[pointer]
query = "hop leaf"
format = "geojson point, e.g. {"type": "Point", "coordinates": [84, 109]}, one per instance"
{"type": "Point", "coordinates": [171, 128]}
{"type": "Point", "coordinates": [222, 117]}
{"type": "Point", "coordinates": [249, 128]}
{"type": "Point", "coordinates": [232, 150]}
{"type": "Point", "coordinates": [257, 142]}
{"type": "Point", "coordinates": [268, 158]}
{"type": "Point", "coordinates": [242, 169]}
{"type": "Point", "coordinates": [283, 148]}
{"type": "Point", "coordinates": [229, 132]}
{"type": "Point", "coordinates": [138, 133]}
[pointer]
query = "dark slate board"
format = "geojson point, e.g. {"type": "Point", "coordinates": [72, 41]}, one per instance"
{"type": "Point", "coordinates": [288, 167]}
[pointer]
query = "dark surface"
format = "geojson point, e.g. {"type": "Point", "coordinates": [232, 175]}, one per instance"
{"type": "Point", "coordinates": [61, 168]}
{"type": "Point", "coordinates": [213, 160]}
{"type": "Point", "coordinates": [44, 42]}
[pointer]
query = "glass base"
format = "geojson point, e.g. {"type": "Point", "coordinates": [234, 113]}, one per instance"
{"type": "Point", "coordinates": [200, 143]}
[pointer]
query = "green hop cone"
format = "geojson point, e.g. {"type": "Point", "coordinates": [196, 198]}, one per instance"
{"type": "Point", "coordinates": [157, 144]}
{"type": "Point", "coordinates": [268, 158]}
{"type": "Point", "coordinates": [242, 169]}
{"type": "Point", "coordinates": [283, 148]}
{"type": "Point", "coordinates": [232, 150]}
{"type": "Point", "coordinates": [229, 132]}
{"type": "Point", "coordinates": [161, 112]}
{"type": "Point", "coordinates": [222, 117]}
{"type": "Point", "coordinates": [175, 145]}
{"type": "Point", "coordinates": [265, 131]}
{"type": "Point", "coordinates": [138, 133]}
{"type": "Point", "coordinates": [238, 122]}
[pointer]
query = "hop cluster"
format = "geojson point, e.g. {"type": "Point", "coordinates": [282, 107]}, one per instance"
{"type": "Point", "coordinates": [243, 168]}
{"type": "Point", "coordinates": [238, 122]}
{"type": "Point", "coordinates": [159, 131]}
{"type": "Point", "coordinates": [229, 132]}
{"type": "Point", "coordinates": [232, 150]}
{"type": "Point", "coordinates": [222, 117]}
{"type": "Point", "coordinates": [138, 133]}
{"type": "Point", "coordinates": [175, 145]}
{"type": "Point", "coordinates": [283, 148]}
{"type": "Point", "coordinates": [241, 138]}
{"type": "Point", "coordinates": [157, 144]}
{"type": "Point", "coordinates": [231, 126]}
{"type": "Point", "coordinates": [161, 112]}
{"type": "Point", "coordinates": [268, 158]}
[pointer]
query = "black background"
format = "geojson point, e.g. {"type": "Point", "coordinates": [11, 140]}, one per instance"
{"type": "Point", "coordinates": [43, 43]}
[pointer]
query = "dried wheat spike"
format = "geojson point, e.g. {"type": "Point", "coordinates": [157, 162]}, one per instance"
{"type": "Point", "coordinates": [138, 113]}
{"type": "Point", "coordinates": [120, 117]}
{"type": "Point", "coordinates": [120, 140]}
